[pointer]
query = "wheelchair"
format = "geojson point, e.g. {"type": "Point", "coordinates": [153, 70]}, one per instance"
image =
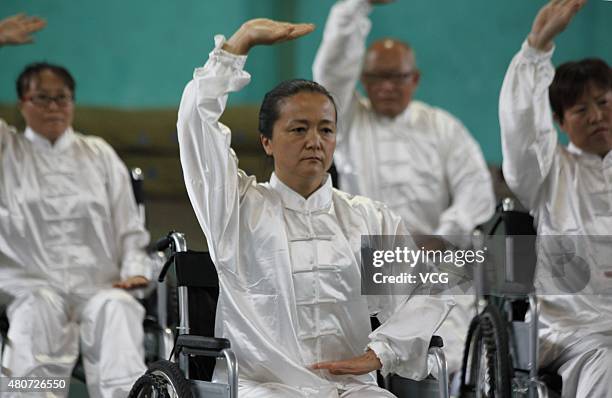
{"type": "Point", "coordinates": [501, 352]}
{"type": "Point", "coordinates": [159, 302]}
{"type": "Point", "coordinates": [188, 371]}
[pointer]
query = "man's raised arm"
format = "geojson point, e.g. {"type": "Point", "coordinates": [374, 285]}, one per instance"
{"type": "Point", "coordinates": [338, 62]}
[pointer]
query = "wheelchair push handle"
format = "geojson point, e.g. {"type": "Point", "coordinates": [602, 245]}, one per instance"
{"type": "Point", "coordinates": [436, 341]}
{"type": "Point", "coordinates": [162, 243]}
{"type": "Point", "coordinates": [174, 241]}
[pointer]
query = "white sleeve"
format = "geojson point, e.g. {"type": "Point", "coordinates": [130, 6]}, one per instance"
{"type": "Point", "coordinates": [131, 236]}
{"type": "Point", "coordinates": [408, 322]}
{"type": "Point", "coordinates": [5, 130]}
{"type": "Point", "coordinates": [472, 198]}
{"type": "Point", "coordinates": [214, 182]}
{"type": "Point", "coordinates": [401, 342]}
{"type": "Point", "coordinates": [529, 138]}
{"type": "Point", "coordinates": [337, 65]}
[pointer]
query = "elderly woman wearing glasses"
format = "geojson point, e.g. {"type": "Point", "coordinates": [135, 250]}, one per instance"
{"type": "Point", "coordinates": [71, 239]}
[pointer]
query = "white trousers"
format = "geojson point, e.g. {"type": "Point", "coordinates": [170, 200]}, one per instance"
{"type": "Point", "coordinates": [277, 390]}
{"type": "Point", "coordinates": [584, 363]}
{"type": "Point", "coordinates": [47, 326]}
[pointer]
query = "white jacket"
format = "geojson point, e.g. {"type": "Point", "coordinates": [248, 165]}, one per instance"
{"type": "Point", "coordinates": [69, 228]}
{"type": "Point", "coordinates": [423, 163]}
{"type": "Point", "coordinates": [67, 214]}
{"type": "Point", "coordinates": [289, 267]}
{"type": "Point", "coordinates": [568, 193]}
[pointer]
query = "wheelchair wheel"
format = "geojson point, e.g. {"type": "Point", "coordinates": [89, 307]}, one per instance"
{"type": "Point", "coordinates": [149, 386]}
{"type": "Point", "coordinates": [176, 384]}
{"type": "Point", "coordinates": [164, 379]}
{"type": "Point", "coordinates": [487, 371]}
{"type": "Point", "coordinates": [469, 364]}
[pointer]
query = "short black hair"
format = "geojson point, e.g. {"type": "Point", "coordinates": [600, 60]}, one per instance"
{"type": "Point", "coordinates": [31, 72]}
{"type": "Point", "coordinates": [269, 111]}
{"type": "Point", "coordinates": [572, 78]}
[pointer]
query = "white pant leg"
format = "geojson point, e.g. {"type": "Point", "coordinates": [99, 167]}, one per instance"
{"type": "Point", "coordinates": [366, 391]}
{"type": "Point", "coordinates": [251, 389]}
{"type": "Point", "coordinates": [586, 367]}
{"type": "Point", "coordinates": [43, 339]}
{"type": "Point", "coordinates": [112, 343]}
{"type": "Point", "coordinates": [270, 390]}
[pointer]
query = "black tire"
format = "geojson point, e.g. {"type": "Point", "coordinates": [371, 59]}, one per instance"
{"type": "Point", "coordinates": [149, 386]}
{"type": "Point", "coordinates": [177, 385]}
{"type": "Point", "coordinates": [469, 364]}
{"type": "Point", "coordinates": [487, 370]}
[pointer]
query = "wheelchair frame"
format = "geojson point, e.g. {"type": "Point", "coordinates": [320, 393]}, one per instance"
{"type": "Point", "coordinates": [497, 336]}
{"type": "Point", "coordinates": [174, 378]}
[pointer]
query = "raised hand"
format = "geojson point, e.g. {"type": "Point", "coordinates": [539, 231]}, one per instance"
{"type": "Point", "coordinates": [552, 19]}
{"type": "Point", "coordinates": [362, 364]}
{"type": "Point", "coordinates": [17, 29]}
{"type": "Point", "coordinates": [264, 31]}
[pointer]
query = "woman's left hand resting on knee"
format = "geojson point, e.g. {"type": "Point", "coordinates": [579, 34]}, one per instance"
{"type": "Point", "coordinates": [366, 363]}
{"type": "Point", "coordinates": [132, 282]}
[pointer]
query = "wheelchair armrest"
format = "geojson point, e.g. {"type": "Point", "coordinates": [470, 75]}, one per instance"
{"type": "Point", "coordinates": [435, 348]}
{"type": "Point", "coordinates": [436, 341]}
{"type": "Point", "coordinates": [200, 343]}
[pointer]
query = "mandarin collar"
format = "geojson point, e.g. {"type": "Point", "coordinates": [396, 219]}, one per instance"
{"type": "Point", "coordinates": [405, 117]}
{"type": "Point", "coordinates": [591, 158]}
{"type": "Point", "coordinates": [319, 199]}
{"type": "Point", "coordinates": [41, 142]}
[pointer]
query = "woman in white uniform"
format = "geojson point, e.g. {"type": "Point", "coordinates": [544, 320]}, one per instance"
{"type": "Point", "coordinates": [287, 251]}
{"type": "Point", "coordinates": [71, 241]}
{"type": "Point", "coordinates": [568, 191]}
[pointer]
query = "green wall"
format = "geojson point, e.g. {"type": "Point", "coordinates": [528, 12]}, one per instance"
{"type": "Point", "coordinates": [135, 53]}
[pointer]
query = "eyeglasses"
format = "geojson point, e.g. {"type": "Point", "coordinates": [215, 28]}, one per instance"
{"type": "Point", "coordinates": [395, 78]}
{"type": "Point", "coordinates": [43, 100]}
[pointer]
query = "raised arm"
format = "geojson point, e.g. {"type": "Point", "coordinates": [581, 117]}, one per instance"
{"type": "Point", "coordinates": [214, 182]}
{"type": "Point", "coordinates": [529, 139]}
{"type": "Point", "coordinates": [337, 65]}
{"type": "Point", "coordinates": [18, 29]}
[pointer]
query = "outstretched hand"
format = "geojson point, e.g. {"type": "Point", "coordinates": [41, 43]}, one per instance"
{"type": "Point", "coordinates": [132, 282]}
{"type": "Point", "coordinates": [264, 31]}
{"type": "Point", "coordinates": [366, 363]}
{"type": "Point", "coordinates": [17, 29]}
{"type": "Point", "coordinates": [552, 19]}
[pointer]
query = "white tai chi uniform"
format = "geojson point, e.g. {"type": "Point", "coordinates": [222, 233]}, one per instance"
{"type": "Point", "coordinates": [423, 163]}
{"type": "Point", "coordinates": [568, 192]}
{"type": "Point", "coordinates": [289, 267]}
{"type": "Point", "coordinates": [69, 228]}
